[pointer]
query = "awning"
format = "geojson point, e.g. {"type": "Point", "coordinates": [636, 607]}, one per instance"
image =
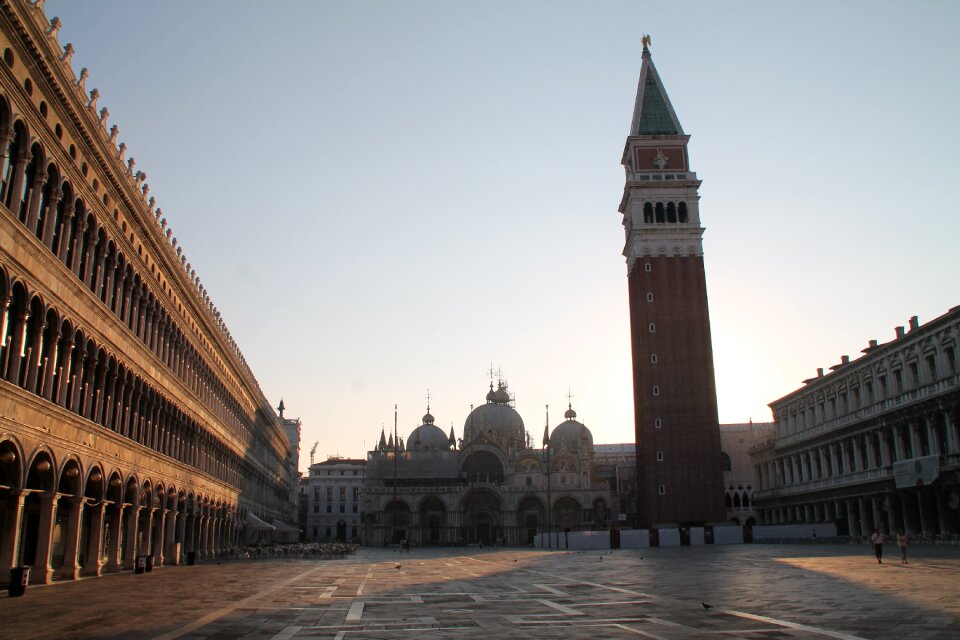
{"type": "Point", "coordinates": [256, 524]}
{"type": "Point", "coordinates": [282, 526]}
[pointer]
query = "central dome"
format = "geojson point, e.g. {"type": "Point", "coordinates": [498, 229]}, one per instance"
{"type": "Point", "coordinates": [497, 419]}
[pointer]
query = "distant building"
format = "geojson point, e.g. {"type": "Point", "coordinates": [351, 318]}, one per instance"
{"type": "Point", "coordinates": [291, 429]}
{"type": "Point", "coordinates": [333, 489]}
{"type": "Point", "coordinates": [675, 398]}
{"type": "Point", "coordinates": [494, 486]}
{"type": "Point", "coordinates": [874, 443]}
{"type": "Point", "coordinates": [739, 473]}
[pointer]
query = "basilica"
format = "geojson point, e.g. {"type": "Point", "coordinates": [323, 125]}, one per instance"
{"type": "Point", "coordinates": [492, 486]}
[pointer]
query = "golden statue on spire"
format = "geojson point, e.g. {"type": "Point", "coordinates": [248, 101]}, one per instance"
{"type": "Point", "coordinates": [645, 40]}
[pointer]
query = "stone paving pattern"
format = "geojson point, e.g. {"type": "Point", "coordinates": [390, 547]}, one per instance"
{"type": "Point", "coordinates": [756, 591]}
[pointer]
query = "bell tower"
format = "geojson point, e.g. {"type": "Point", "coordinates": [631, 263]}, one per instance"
{"type": "Point", "coordinates": [679, 473]}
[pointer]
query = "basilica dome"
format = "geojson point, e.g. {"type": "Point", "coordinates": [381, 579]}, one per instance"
{"type": "Point", "coordinates": [570, 433]}
{"type": "Point", "coordinates": [497, 419]}
{"type": "Point", "coordinates": [427, 436]}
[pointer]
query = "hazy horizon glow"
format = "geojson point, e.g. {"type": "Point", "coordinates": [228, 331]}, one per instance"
{"type": "Point", "coordinates": [387, 197]}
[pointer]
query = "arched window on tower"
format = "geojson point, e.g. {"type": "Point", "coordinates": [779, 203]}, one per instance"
{"type": "Point", "coordinates": [725, 461]}
{"type": "Point", "coordinates": [682, 212]}
{"type": "Point", "coordinates": [648, 212]}
{"type": "Point", "coordinates": [659, 211]}
{"type": "Point", "coordinates": [671, 212]}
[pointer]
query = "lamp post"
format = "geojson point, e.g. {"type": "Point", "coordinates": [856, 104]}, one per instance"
{"type": "Point", "coordinates": [546, 445]}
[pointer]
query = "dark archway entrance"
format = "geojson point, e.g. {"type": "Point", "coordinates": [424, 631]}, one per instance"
{"type": "Point", "coordinates": [482, 518]}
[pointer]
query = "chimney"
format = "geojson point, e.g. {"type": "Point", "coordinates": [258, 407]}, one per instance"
{"type": "Point", "coordinates": [899, 331]}
{"type": "Point", "coordinates": [844, 359]}
{"type": "Point", "coordinates": [914, 323]}
{"type": "Point", "coordinates": [873, 344]}
{"type": "Point", "coordinates": [820, 372]}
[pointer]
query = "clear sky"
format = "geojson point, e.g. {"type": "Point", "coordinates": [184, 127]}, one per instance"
{"type": "Point", "coordinates": [386, 197]}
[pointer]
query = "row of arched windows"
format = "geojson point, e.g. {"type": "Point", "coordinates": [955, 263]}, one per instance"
{"type": "Point", "coordinates": [33, 190]}
{"type": "Point", "coordinates": [665, 212]}
{"type": "Point", "coordinates": [52, 357]}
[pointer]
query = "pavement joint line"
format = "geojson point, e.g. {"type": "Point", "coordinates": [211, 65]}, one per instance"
{"type": "Point", "coordinates": [355, 612]}
{"type": "Point", "coordinates": [840, 635]}
{"type": "Point", "coordinates": [287, 633]}
{"type": "Point", "coordinates": [219, 613]}
{"type": "Point", "coordinates": [645, 634]}
{"type": "Point", "coordinates": [547, 587]}
{"type": "Point", "coordinates": [561, 608]}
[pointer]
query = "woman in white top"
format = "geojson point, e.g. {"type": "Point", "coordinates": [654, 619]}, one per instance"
{"type": "Point", "coordinates": [877, 540]}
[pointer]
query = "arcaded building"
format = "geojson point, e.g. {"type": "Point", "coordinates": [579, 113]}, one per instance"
{"type": "Point", "coordinates": [491, 486]}
{"type": "Point", "coordinates": [130, 423]}
{"type": "Point", "coordinates": [679, 477]}
{"type": "Point", "coordinates": [872, 443]}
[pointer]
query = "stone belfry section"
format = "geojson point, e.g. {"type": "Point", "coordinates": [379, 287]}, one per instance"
{"type": "Point", "coordinates": [679, 474]}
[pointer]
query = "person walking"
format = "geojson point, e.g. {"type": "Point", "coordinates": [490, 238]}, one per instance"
{"type": "Point", "coordinates": [902, 543]}
{"type": "Point", "coordinates": [877, 540]}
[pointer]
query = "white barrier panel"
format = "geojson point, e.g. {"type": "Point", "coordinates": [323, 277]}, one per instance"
{"type": "Point", "coordinates": [728, 535]}
{"type": "Point", "coordinates": [793, 531]}
{"type": "Point", "coordinates": [696, 535]}
{"type": "Point", "coordinates": [634, 538]}
{"type": "Point", "coordinates": [589, 540]}
{"type": "Point", "coordinates": [669, 537]}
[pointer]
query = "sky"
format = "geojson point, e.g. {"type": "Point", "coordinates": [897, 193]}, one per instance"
{"type": "Point", "coordinates": [388, 197]}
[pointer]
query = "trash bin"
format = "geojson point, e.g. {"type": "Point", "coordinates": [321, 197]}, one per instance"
{"type": "Point", "coordinates": [149, 566]}
{"type": "Point", "coordinates": [141, 564]}
{"type": "Point", "coordinates": [19, 577]}
{"type": "Point", "coordinates": [191, 557]}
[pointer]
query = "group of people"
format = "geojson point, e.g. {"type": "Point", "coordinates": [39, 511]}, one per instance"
{"type": "Point", "coordinates": [878, 539]}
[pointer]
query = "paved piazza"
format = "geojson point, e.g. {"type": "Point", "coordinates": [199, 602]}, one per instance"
{"type": "Point", "coordinates": [756, 591]}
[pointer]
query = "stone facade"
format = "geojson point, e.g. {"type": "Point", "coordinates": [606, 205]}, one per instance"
{"type": "Point", "coordinates": [130, 423]}
{"type": "Point", "coordinates": [739, 473]}
{"type": "Point", "coordinates": [675, 400]}
{"type": "Point", "coordinates": [333, 489]}
{"type": "Point", "coordinates": [874, 443]}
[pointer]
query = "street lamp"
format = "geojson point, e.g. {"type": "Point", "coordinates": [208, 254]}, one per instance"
{"type": "Point", "coordinates": [546, 446]}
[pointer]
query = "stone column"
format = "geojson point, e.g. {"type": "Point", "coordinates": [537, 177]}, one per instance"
{"type": "Point", "coordinates": [875, 509]}
{"type": "Point", "coordinates": [33, 204]}
{"type": "Point", "coordinates": [94, 539]}
{"type": "Point", "coordinates": [898, 442]}
{"type": "Point", "coordinates": [130, 546]}
{"type": "Point", "coordinates": [71, 568]}
{"type": "Point", "coordinates": [169, 531]}
{"type": "Point", "coordinates": [932, 438]}
{"type": "Point", "coordinates": [848, 504]}
{"type": "Point", "coordinates": [42, 572]}
{"type": "Point", "coordinates": [181, 537]}
{"type": "Point", "coordinates": [884, 449]}
{"type": "Point", "coordinates": [10, 535]}
{"type": "Point", "coordinates": [160, 538]}
{"type": "Point", "coordinates": [146, 542]}
{"type": "Point", "coordinates": [114, 561]}
{"type": "Point", "coordinates": [924, 525]}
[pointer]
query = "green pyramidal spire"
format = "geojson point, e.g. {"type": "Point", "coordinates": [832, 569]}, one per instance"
{"type": "Point", "coordinates": [653, 114]}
